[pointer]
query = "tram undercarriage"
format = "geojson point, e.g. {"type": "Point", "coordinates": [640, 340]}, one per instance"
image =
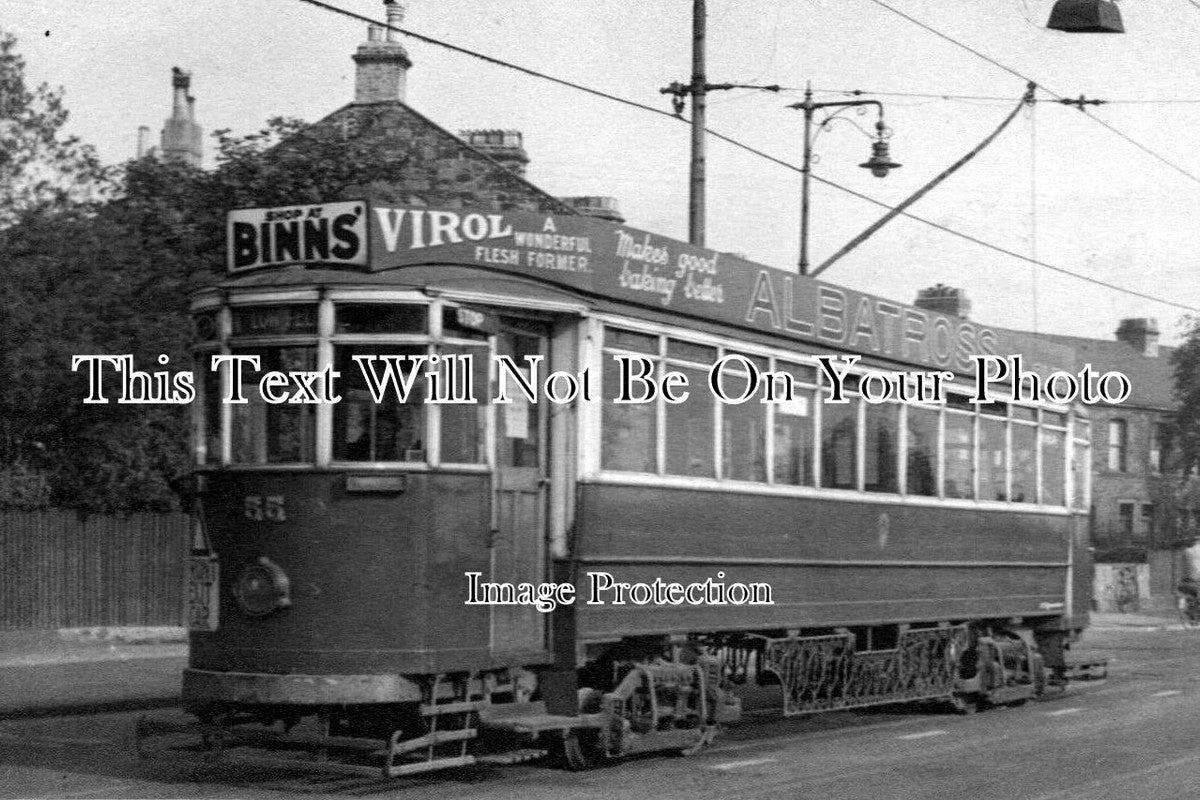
{"type": "Point", "coordinates": [644, 696]}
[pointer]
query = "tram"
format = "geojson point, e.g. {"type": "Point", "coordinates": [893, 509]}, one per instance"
{"type": "Point", "coordinates": [408, 428]}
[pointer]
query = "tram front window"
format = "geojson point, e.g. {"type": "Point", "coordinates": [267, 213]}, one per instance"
{"type": "Point", "coordinates": [264, 433]}
{"type": "Point", "coordinates": [389, 430]}
{"type": "Point", "coordinates": [464, 425]}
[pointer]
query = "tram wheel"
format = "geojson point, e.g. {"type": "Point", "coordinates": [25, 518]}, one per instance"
{"type": "Point", "coordinates": [579, 750]}
{"type": "Point", "coordinates": [965, 703]}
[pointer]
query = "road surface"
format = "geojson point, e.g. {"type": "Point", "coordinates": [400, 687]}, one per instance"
{"type": "Point", "coordinates": [1134, 735]}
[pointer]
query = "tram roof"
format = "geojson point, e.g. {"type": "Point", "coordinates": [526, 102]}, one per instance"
{"type": "Point", "coordinates": [600, 264]}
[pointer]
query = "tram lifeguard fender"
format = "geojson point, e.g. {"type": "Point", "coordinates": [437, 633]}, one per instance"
{"type": "Point", "coordinates": [204, 687]}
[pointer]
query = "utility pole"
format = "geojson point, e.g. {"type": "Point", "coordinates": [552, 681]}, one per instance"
{"type": "Point", "coordinates": [698, 88]}
{"type": "Point", "coordinates": [699, 92]}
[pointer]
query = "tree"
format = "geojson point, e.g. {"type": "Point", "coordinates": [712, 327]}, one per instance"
{"type": "Point", "coordinates": [107, 267]}
{"type": "Point", "coordinates": [40, 166]}
{"type": "Point", "coordinates": [1185, 433]}
{"type": "Point", "coordinates": [114, 277]}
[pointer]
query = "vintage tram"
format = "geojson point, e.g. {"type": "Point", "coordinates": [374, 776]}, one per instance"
{"type": "Point", "coordinates": [373, 548]}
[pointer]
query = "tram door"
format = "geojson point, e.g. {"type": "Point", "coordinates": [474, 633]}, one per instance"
{"type": "Point", "coordinates": [519, 544]}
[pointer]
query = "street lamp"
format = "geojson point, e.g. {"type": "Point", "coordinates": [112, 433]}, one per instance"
{"type": "Point", "coordinates": [1086, 16]}
{"type": "Point", "coordinates": [880, 162]}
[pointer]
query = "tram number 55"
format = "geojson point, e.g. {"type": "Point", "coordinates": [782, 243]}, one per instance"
{"type": "Point", "coordinates": [257, 507]}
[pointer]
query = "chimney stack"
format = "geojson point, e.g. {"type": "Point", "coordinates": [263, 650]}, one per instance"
{"type": "Point", "coordinates": [597, 206]}
{"type": "Point", "coordinates": [182, 138]}
{"type": "Point", "coordinates": [143, 137]}
{"type": "Point", "coordinates": [1141, 334]}
{"type": "Point", "coordinates": [381, 62]}
{"type": "Point", "coordinates": [944, 300]}
{"type": "Point", "coordinates": [507, 147]}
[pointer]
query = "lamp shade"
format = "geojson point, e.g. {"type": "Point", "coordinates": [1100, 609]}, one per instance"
{"type": "Point", "coordinates": [880, 162]}
{"type": "Point", "coordinates": [1086, 16]}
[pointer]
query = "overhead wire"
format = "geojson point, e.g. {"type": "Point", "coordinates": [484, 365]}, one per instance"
{"type": "Point", "coordinates": [741, 145]}
{"type": "Point", "coordinates": [1129, 139]}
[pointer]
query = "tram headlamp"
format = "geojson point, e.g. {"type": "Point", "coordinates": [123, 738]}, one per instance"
{"type": "Point", "coordinates": [262, 587]}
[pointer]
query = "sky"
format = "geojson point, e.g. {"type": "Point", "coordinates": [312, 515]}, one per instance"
{"type": "Point", "coordinates": [1055, 185]}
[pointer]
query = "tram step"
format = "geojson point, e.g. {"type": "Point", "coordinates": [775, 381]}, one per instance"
{"type": "Point", "coordinates": [526, 718]}
{"type": "Point", "coordinates": [435, 738]}
{"type": "Point", "coordinates": [415, 767]}
{"type": "Point", "coordinates": [536, 723]}
{"type": "Point", "coordinates": [460, 707]}
{"type": "Point", "coordinates": [512, 756]}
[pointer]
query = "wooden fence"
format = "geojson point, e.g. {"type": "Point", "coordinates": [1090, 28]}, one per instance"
{"type": "Point", "coordinates": [59, 569]}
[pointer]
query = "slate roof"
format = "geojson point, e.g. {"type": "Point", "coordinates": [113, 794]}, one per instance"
{"type": "Point", "coordinates": [1153, 384]}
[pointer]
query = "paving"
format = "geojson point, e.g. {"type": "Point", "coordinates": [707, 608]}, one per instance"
{"type": "Point", "coordinates": [46, 672]}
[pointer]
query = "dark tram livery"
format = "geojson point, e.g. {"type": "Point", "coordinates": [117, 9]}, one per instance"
{"type": "Point", "coordinates": [909, 550]}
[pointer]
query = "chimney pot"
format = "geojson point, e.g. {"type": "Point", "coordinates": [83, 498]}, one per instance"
{"type": "Point", "coordinates": [944, 300]}
{"type": "Point", "coordinates": [1140, 333]}
{"type": "Point", "coordinates": [599, 206]}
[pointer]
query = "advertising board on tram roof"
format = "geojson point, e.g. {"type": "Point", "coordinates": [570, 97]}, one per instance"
{"type": "Point", "coordinates": [614, 261]}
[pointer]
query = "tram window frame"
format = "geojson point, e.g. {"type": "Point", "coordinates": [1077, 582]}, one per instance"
{"type": "Point", "coordinates": [921, 477]}
{"type": "Point", "coordinates": [624, 425]}
{"type": "Point", "coordinates": [692, 455]}
{"type": "Point", "coordinates": [358, 411]}
{"type": "Point", "coordinates": [436, 339]}
{"type": "Point", "coordinates": [220, 429]}
{"type": "Point", "coordinates": [208, 423]}
{"type": "Point", "coordinates": [802, 406]}
{"type": "Point", "coordinates": [881, 445]}
{"type": "Point", "coordinates": [1080, 466]}
{"type": "Point", "coordinates": [956, 435]}
{"type": "Point", "coordinates": [238, 312]}
{"type": "Point", "coordinates": [1052, 483]}
{"type": "Point", "coordinates": [743, 457]}
{"type": "Point", "coordinates": [252, 424]}
{"type": "Point", "coordinates": [960, 485]}
{"type": "Point", "coordinates": [840, 467]}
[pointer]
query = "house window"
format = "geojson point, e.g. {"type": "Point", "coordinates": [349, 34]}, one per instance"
{"type": "Point", "coordinates": [1158, 438]}
{"type": "Point", "coordinates": [1118, 445]}
{"type": "Point", "coordinates": [1147, 519]}
{"type": "Point", "coordinates": [1125, 517]}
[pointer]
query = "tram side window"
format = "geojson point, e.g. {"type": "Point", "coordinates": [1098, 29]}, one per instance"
{"type": "Point", "coordinates": [922, 430]}
{"type": "Point", "coordinates": [264, 433]}
{"type": "Point", "coordinates": [629, 432]}
{"type": "Point", "coordinates": [881, 459]}
{"type": "Point", "coordinates": [1080, 465]}
{"type": "Point", "coordinates": [794, 428]}
{"type": "Point", "coordinates": [993, 453]}
{"type": "Point", "coordinates": [1053, 466]}
{"type": "Point", "coordinates": [364, 430]}
{"type": "Point", "coordinates": [689, 425]}
{"type": "Point", "coordinates": [839, 445]}
{"type": "Point", "coordinates": [1024, 463]}
{"type": "Point", "coordinates": [959, 452]}
{"type": "Point", "coordinates": [743, 427]}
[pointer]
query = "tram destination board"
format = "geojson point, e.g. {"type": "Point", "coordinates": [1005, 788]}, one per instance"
{"type": "Point", "coordinates": [618, 262]}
